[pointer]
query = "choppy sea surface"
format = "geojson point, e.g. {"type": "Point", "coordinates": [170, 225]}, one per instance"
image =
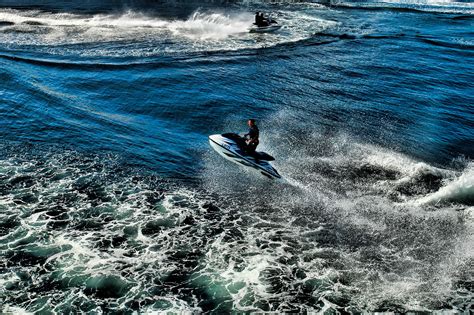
{"type": "Point", "coordinates": [112, 201]}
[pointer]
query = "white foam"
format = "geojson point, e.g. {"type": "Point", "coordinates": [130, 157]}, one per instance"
{"type": "Point", "coordinates": [214, 26]}
{"type": "Point", "coordinates": [14, 310]}
{"type": "Point", "coordinates": [125, 20]}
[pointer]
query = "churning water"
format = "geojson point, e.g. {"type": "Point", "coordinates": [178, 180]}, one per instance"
{"type": "Point", "coordinates": [111, 200]}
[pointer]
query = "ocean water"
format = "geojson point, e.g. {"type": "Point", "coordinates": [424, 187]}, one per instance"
{"type": "Point", "coordinates": [112, 201]}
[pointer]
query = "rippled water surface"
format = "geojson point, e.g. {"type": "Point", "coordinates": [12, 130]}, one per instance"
{"type": "Point", "coordinates": [111, 199]}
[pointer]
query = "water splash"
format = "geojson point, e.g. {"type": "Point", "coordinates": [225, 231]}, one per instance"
{"type": "Point", "coordinates": [457, 190]}
{"type": "Point", "coordinates": [215, 26]}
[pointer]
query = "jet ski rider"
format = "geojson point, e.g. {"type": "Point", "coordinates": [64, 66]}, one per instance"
{"type": "Point", "coordinates": [260, 20]}
{"type": "Point", "coordinates": [251, 138]}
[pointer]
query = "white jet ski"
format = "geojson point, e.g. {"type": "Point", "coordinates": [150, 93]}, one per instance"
{"type": "Point", "coordinates": [230, 146]}
{"type": "Point", "coordinates": [265, 29]}
{"type": "Point", "coordinates": [271, 27]}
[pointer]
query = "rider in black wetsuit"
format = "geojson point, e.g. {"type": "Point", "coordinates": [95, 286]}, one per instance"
{"type": "Point", "coordinates": [260, 20]}
{"type": "Point", "coordinates": [251, 138]}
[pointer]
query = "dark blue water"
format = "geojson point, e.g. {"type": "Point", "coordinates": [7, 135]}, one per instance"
{"type": "Point", "coordinates": [111, 199]}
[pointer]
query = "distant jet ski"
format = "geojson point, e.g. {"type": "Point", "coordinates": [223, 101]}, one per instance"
{"type": "Point", "coordinates": [230, 146]}
{"type": "Point", "coordinates": [269, 25]}
{"type": "Point", "coordinates": [264, 29]}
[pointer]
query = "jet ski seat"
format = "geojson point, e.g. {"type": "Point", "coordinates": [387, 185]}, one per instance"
{"type": "Point", "coordinates": [263, 156]}
{"type": "Point", "coordinates": [241, 143]}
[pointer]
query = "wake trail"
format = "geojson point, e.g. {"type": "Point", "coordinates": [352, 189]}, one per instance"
{"type": "Point", "coordinates": [144, 35]}
{"type": "Point", "coordinates": [294, 183]}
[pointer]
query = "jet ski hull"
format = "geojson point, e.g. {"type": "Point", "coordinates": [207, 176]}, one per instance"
{"type": "Point", "coordinates": [265, 29]}
{"type": "Point", "coordinates": [230, 150]}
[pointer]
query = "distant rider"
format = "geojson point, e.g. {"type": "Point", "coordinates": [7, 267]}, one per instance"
{"type": "Point", "coordinates": [251, 138]}
{"type": "Point", "coordinates": [260, 20]}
